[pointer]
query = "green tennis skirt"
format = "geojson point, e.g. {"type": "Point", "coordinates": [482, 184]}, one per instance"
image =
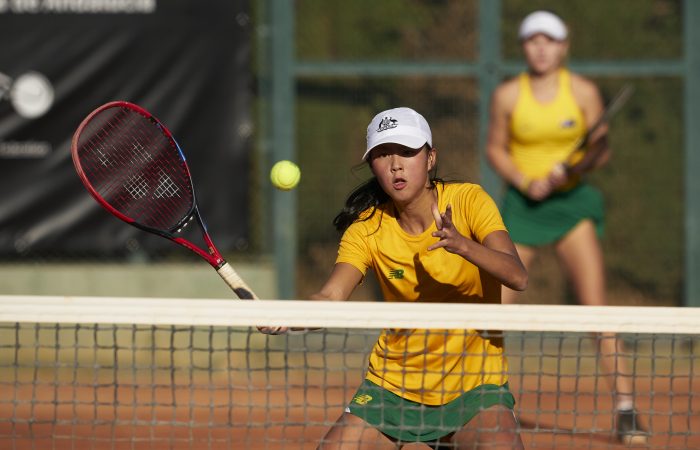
{"type": "Point", "coordinates": [539, 223]}
{"type": "Point", "coordinates": [408, 421]}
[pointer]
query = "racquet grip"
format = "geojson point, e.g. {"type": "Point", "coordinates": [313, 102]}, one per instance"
{"type": "Point", "coordinates": [235, 282]}
{"type": "Point", "coordinates": [244, 292]}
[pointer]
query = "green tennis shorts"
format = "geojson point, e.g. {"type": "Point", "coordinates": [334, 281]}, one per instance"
{"type": "Point", "coordinates": [538, 223]}
{"type": "Point", "coordinates": [409, 421]}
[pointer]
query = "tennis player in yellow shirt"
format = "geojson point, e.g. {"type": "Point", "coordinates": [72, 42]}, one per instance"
{"type": "Point", "coordinates": [536, 119]}
{"type": "Point", "coordinates": [426, 241]}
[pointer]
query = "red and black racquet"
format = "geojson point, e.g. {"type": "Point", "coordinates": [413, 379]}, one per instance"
{"type": "Point", "coordinates": [131, 164]}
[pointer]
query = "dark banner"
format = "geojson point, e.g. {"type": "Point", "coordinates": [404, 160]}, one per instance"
{"type": "Point", "coordinates": [185, 61]}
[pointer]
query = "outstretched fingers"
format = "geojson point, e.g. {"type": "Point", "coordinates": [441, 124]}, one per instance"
{"type": "Point", "coordinates": [437, 216]}
{"type": "Point", "coordinates": [447, 217]}
{"type": "Point", "coordinates": [442, 220]}
{"type": "Point", "coordinates": [445, 228]}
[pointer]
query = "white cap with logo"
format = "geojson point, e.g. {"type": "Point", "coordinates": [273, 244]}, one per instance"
{"type": "Point", "coordinates": [402, 126]}
{"type": "Point", "coordinates": [543, 22]}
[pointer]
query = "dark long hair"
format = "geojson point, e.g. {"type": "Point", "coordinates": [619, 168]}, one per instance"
{"type": "Point", "coordinates": [369, 195]}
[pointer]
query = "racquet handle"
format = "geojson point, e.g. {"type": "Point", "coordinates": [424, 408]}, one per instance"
{"type": "Point", "coordinates": [235, 282]}
{"type": "Point", "coordinates": [244, 292]}
{"type": "Point", "coordinates": [610, 110]}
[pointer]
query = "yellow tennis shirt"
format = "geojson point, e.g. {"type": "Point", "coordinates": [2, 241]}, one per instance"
{"type": "Point", "coordinates": [433, 366]}
{"type": "Point", "coordinates": [543, 134]}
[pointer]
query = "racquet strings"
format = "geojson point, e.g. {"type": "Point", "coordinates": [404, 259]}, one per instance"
{"type": "Point", "coordinates": [136, 167]}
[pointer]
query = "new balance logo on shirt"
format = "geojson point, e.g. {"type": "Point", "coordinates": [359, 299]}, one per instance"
{"type": "Point", "coordinates": [396, 274]}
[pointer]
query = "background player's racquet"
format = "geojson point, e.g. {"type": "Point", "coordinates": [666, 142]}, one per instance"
{"type": "Point", "coordinates": [612, 108]}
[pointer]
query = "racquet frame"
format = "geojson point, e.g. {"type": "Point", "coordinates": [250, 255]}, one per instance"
{"type": "Point", "coordinates": [211, 254]}
{"type": "Point", "coordinates": [612, 108]}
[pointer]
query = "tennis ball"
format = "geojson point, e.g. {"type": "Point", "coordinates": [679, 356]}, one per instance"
{"type": "Point", "coordinates": [285, 175]}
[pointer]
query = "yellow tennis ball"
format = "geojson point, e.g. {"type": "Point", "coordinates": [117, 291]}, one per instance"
{"type": "Point", "coordinates": [285, 175]}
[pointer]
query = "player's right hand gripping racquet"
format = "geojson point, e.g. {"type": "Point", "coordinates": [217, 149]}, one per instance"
{"type": "Point", "coordinates": [130, 163]}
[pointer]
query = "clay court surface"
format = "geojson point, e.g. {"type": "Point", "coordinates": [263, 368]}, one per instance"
{"type": "Point", "coordinates": [220, 389]}
{"type": "Point", "coordinates": [294, 417]}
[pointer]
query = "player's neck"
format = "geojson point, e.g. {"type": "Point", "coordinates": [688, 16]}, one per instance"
{"type": "Point", "coordinates": [416, 217]}
{"type": "Point", "coordinates": [547, 78]}
{"type": "Point", "coordinates": [545, 85]}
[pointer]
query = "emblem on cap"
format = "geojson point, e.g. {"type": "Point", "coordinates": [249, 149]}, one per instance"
{"type": "Point", "coordinates": [387, 123]}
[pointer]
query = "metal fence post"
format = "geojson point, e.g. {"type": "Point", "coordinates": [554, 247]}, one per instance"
{"type": "Point", "coordinates": [691, 40]}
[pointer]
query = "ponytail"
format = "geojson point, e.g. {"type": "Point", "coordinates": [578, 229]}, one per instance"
{"type": "Point", "coordinates": [368, 195]}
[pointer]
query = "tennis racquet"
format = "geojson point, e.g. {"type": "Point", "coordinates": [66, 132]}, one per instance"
{"type": "Point", "coordinates": [130, 163]}
{"type": "Point", "coordinates": [613, 107]}
{"type": "Point", "coordinates": [31, 94]}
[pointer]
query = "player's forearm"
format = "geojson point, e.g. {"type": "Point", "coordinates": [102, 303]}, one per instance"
{"type": "Point", "coordinates": [504, 166]}
{"type": "Point", "coordinates": [506, 268]}
{"type": "Point", "coordinates": [339, 286]}
{"type": "Point", "coordinates": [325, 296]}
{"type": "Point", "coordinates": [330, 293]}
{"type": "Point", "coordinates": [596, 157]}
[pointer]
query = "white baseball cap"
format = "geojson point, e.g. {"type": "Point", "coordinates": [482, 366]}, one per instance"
{"type": "Point", "coordinates": [543, 22]}
{"type": "Point", "coordinates": [399, 126]}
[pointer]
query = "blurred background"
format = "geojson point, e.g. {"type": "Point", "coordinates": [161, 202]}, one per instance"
{"type": "Point", "coordinates": [245, 83]}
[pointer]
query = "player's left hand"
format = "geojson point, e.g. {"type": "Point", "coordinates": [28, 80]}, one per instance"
{"type": "Point", "coordinates": [539, 189]}
{"type": "Point", "coordinates": [450, 239]}
{"type": "Point", "coordinates": [558, 176]}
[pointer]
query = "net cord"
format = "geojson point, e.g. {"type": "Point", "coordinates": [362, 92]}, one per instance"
{"type": "Point", "coordinates": [354, 314]}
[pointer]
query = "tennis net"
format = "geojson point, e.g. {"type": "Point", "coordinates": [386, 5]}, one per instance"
{"type": "Point", "coordinates": [146, 373]}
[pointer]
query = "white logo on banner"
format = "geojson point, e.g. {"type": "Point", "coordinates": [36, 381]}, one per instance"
{"type": "Point", "coordinates": [24, 149]}
{"type": "Point", "coordinates": [78, 6]}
